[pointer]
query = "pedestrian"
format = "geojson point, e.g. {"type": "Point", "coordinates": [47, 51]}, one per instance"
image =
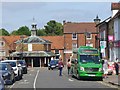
{"type": "Point", "coordinates": [68, 66]}
{"type": "Point", "coordinates": [116, 66]}
{"type": "Point", "coordinates": [60, 65]}
{"type": "Point", "coordinates": [105, 68]}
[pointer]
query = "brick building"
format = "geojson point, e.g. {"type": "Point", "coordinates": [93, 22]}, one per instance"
{"type": "Point", "coordinates": [78, 34]}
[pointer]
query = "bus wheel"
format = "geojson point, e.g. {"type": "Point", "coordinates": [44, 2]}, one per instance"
{"type": "Point", "coordinates": [100, 79]}
{"type": "Point", "coordinates": [78, 77]}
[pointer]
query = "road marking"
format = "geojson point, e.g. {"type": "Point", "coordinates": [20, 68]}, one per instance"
{"type": "Point", "coordinates": [106, 84]}
{"type": "Point", "coordinates": [35, 80]}
{"type": "Point", "coordinates": [70, 80]}
{"type": "Point", "coordinates": [12, 85]}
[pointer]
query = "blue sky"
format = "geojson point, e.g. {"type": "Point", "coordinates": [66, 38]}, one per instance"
{"type": "Point", "coordinates": [16, 14]}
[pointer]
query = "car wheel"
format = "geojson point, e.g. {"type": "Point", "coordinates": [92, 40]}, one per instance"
{"type": "Point", "coordinates": [13, 79]}
{"type": "Point", "coordinates": [18, 77]}
{"type": "Point", "coordinates": [26, 71]}
{"type": "Point", "coordinates": [48, 68]}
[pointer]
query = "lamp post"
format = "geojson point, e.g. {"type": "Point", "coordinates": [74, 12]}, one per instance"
{"type": "Point", "coordinates": [21, 46]}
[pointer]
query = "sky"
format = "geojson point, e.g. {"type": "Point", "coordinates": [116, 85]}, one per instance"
{"type": "Point", "coordinates": [17, 14]}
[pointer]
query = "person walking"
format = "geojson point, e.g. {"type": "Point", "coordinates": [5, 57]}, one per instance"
{"type": "Point", "coordinates": [68, 66]}
{"type": "Point", "coordinates": [116, 66]}
{"type": "Point", "coordinates": [105, 68]}
{"type": "Point", "coordinates": [60, 66]}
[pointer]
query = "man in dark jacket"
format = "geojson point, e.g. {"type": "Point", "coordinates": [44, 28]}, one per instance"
{"type": "Point", "coordinates": [60, 65]}
{"type": "Point", "coordinates": [116, 67]}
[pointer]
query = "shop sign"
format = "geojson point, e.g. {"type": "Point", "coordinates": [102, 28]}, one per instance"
{"type": "Point", "coordinates": [110, 38]}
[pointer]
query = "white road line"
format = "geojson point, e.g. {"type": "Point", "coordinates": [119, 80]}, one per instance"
{"type": "Point", "coordinates": [12, 85]}
{"type": "Point", "coordinates": [35, 80]}
{"type": "Point", "coordinates": [70, 80]}
{"type": "Point", "coordinates": [106, 84]}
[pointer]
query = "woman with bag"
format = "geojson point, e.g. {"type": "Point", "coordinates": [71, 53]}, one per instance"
{"type": "Point", "coordinates": [68, 66]}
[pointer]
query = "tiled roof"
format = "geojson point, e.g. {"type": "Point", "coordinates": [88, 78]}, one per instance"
{"type": "Point", "coordinates": [79, 27]}
{"type": "Point", "coordinates": [115, 6]}
{"type": "Point", "coordinates": [57, 41]}
{"type": "Point", "coordinates": [10, 40]}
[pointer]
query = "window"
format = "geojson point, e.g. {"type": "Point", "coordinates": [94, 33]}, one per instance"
{"type": "Point", "coordinates": [74, 36]}
{"type": "Point", "coordinates": [56, 51]}
{"type": "Point", "coordinates": [2, 43]}
{"type": "Point", "coordinates": [88, 36]}
{"type": "Point", "coordinates": [89, 45]}
{"type": "Point", "coordinates": [74, 45]}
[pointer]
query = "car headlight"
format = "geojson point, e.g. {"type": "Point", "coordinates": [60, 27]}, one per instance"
{"type": "Point", "coordinates": [82, 68]}
{"type": "Point", "coordinates": [48, 64]}
{"type": "Point", "coordinates": [100, 69]}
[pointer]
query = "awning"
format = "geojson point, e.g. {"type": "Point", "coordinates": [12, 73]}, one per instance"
{"type": "Point", "coordinates": [33, 54]}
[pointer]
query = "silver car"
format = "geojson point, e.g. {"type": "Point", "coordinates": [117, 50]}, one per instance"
{"type": "Point", "coordinates": [2, 87]}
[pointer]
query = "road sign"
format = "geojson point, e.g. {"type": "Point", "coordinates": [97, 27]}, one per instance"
{"type": "Point", "coordinates": [103, 44]}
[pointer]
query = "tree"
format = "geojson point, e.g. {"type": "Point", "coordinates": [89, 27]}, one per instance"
{"type": "Point", "coordinates": [41, 32]}
{"type": "Point", "coordinates": [4, 32]}
{"type": "Point", "coordinates": [24, 30]}
{"type": "Point", "coordinates": [53, 28]}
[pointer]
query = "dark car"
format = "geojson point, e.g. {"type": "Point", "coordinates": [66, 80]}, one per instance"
{"type": "Point", "coordinates": [2, 87]}
{"type": "Point", "coordinates": [7, 73]}
{"type": "Point", "coordinates": [24, 66]}
{"type": "Point", "coordinates": [53, 64]}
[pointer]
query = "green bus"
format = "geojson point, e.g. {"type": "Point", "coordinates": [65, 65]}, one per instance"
{"type": "Point", "coordinates": [86, 63]}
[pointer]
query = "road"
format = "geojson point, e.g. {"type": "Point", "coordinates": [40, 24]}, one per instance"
{"type": "Point", "coordinates": [44, 78]}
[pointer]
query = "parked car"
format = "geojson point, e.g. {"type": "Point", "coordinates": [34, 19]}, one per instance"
{"type": "Point", "coordinates": [16, 67]}
{"type": "Point", "coordinates": [24, 66]}
{"type": "Point", "coordinates": [111, 68]}
{"type": "Point", "coordinates": [53, 64]}
{"type": "Point", "coordinates": [7, 72]}
{"type": "Point", "coordinates": [2, 87]}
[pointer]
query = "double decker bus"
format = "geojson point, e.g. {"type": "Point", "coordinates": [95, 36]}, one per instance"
{"type": "Point", "coordinates": [86, 62]}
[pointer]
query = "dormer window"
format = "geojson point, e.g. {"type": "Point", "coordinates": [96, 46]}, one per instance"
{"type": "Point", "coordinates": [74, 36]}
{"type": "Point", "coordinates": [2, 43]}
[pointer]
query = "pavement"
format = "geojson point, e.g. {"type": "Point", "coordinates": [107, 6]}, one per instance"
{"type": "Point", "coordinates": [113, 79]}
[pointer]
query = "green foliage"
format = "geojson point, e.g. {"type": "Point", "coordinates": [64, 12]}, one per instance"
{"type": "Point", "coordinates": [4, 32]}
{"type": "Point", "coordinates": [24, 30]}
{"type": "Point", "coordinates": [41, 32]}
{"type": "Point", "coordinates": [53, 28]}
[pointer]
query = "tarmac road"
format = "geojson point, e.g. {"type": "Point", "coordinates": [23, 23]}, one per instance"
{"type": "Point", "coordinates": [44, 78]}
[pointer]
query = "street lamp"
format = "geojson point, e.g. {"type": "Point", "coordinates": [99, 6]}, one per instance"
{"type": "Point", "coordinates": [22, 37]}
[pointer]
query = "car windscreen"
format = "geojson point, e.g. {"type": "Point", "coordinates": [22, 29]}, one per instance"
{"type": "Point", "coordinates": [52, 62]}
{"type": "Point", "coordinates": [13, 64]}
{"type": "Point", "coordinates": [21, 62]}
{"type": "Point", "coordinates": [89, 59]}
{"type": "Point", "coordinates": [3, 66]}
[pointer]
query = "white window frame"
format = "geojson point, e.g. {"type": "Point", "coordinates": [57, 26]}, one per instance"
{"type": "Point", "coordinates": [59, 52]}
{"type": "Point", "coordinates": [74, 38]}
{"type": "Point", "coordinates": [89, 44]}
{"type": "Point", "coordinates": [90, 36]}
{"type": "Point", "coordinates": [74, 45]}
